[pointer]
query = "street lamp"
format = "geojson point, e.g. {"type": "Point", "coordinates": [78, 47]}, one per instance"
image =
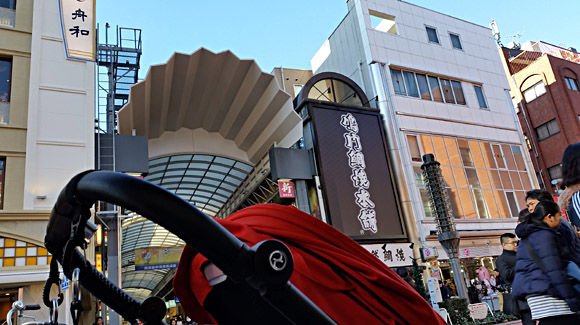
{"type": "Point", "coordinates": [446, 232]}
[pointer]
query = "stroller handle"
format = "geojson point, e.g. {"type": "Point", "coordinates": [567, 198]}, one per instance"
{"type": "Point", "coordinates": [168, 210]}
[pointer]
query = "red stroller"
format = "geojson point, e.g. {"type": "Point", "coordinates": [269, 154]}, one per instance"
{"type": "Point", "coordinates": [267, 264]}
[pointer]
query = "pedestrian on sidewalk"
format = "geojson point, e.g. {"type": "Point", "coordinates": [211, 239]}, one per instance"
{"type": "Point", "coordinates": [540, 275]}
{"type": "Point", "coordinates": [506, 266]}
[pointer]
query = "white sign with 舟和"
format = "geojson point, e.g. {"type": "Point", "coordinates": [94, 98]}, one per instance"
{"type": "Point", "coordinates": [78, 28]}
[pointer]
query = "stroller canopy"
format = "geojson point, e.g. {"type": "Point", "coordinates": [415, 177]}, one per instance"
{"type": "Point", "coordinates": [343, 279]}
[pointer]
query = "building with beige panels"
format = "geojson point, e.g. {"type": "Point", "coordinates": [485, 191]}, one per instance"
{"type": "Point", "coordinates": [46, 137]}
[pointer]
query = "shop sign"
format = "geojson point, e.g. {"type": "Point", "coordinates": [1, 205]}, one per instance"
{"type": "Point", "coordinates": [78, 27]}
{"type": "Point", "coordinates": [154, 258]}
{"type": "Point", "coordinates": [393, 255]}
{"type": "Point", "coordinates": [356, 179]}
{"type": "Point", "coordinates": [286, 189]}
{"type": "Point", "coordinates": [478, 311]}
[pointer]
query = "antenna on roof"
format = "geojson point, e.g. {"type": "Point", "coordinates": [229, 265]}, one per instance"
{"type": "Point", "coordinates": [495, 31]}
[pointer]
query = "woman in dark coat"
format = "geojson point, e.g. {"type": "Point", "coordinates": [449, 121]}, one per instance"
{"type": "Point", "coordinates": [541, 268]}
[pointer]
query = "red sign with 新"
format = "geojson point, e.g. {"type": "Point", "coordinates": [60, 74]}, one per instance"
{"type": "Point", "coordinates": [286, 189]}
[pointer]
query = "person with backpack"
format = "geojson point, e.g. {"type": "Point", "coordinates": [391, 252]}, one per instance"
{"type": "Point", "coordinates": [541, 262]}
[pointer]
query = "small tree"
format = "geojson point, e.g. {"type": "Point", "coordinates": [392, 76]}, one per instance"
{"type": "Point", "coordinates": [418, 278]}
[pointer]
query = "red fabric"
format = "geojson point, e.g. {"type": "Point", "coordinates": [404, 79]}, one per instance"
{"type": "Point", "coordinates": [386, 297]}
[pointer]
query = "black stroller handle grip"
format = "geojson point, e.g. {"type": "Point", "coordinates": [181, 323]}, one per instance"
{"type": "Point", "coordinates": [31, 307]}
{"type": "Point", "coordinates": [168, 210]}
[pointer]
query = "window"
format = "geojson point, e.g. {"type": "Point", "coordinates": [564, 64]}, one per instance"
{"type": "Point", "coordinates": [5, 77]}
{"type": "Point", "coordinates": [484, 180]}
{"type": "Point", "coordinates": [426, 87]}
{"type": "Point", "coordinates": [435, 89]}
{"type": "Point", "coordinates": [547, 130]}
{"type": "Point", "coordinates": [571, 84]}
{"type": "Point", "coordinates": [383, 22]}
{"type": "Point", "coordinates": [414, 148]}
{"type": "Point", "coordinates": [555, 172]}
{"type": "Point", "coordinates": [2, 173]}
{"type": "Point", "coordinates": [458, 92]}
{"type": "Point", "coordinates": [398, 82]}
{"type": "Point", "coordinates": [447, 91]}
{"type": "Point", "coordinates": [7, 12]}
{"type": "Point", "coordinates": [480, 97]}
{"type": "Point", "coordinates": [432, 34]}
{"type": "Point", "coordinates": [455, 41]}
{"type": "Point", "coordinates": [333, 90]}
{"type": "Point", "coordinates": [297, 89]}
{"type": "Point", "coordinates": [411, 84]}
{"type": "Point", "coordinates": [534, 91]}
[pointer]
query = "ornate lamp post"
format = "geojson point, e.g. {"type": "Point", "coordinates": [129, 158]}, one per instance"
{"type": "Point", "coordinates": [446, 232]}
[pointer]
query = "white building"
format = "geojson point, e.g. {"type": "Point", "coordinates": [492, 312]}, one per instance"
{"type": "Point", "coordinates": [441, 89]}
{"type": "Point", "coordinates": [46, 137]}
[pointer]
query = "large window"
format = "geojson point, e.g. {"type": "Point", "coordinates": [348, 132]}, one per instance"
{"type": "Point", "coordinates": [7, 12]}
{"type": "Point", "coordinates": [534, 91]}
{"type": "Point", "coordinates": [484, 180]}
{"type": "Point", "coordinates": [5, 77]}
{"type": "Point", "coordinates": [2, 173]}
{"type": "Point", "coordinates": [547, 130]}
{"type": "Point", "coordinates": [571, 84]}
{"type": "Point", "coordinates": [432, 34]}
{"type": "Point", "coordinates": [426, 87]}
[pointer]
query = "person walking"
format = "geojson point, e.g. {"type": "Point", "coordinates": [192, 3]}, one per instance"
{"type": "Point", "coordinates": [540, 274]}
{"type": "Point", "coordinates": [569, 199]}
{"type": "Point", "coordinates": [506, 266]}
{"type": "Point", "coordinates": [568, 234]}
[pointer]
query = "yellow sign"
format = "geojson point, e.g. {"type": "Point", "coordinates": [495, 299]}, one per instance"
{"type": "Point", "coordinates": [77, 19]}
{"type": "Point", "coordinates": [152, 258]}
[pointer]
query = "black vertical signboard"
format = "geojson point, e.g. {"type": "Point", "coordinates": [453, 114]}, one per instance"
{"type": "Point", "coordinates": [356, 178]}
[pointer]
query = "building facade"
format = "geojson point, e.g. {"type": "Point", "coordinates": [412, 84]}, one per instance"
{"type": "Point", "coordinates": [46, 137]}
{"type": "Point", "coordinates": [439, 84]}
{"type": "Point", "coordinates": [291, 80]}
{"type": "Point", "coordinates": [544, 89]}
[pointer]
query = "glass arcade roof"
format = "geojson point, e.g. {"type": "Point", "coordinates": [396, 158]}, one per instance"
{"type": "Point", "coordinates": [203, 180]}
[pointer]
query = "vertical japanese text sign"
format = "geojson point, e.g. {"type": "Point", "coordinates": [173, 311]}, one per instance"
{"type": "Point", "coordinates": [78, 28]}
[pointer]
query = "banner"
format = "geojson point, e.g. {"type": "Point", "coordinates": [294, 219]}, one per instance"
{"type": "Point", "coordinates": [153, 258]}
{"type": "Point", "coordinates": [77, 19]}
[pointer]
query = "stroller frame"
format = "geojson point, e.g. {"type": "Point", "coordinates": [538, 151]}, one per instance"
{"type": "Point", "coordinates": [265, 267]}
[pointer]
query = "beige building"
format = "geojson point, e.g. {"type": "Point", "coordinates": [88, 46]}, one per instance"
{"type": "Point", "coordinates": [293, 79]}
{"type": "Point", "coordinates": [46, 137]}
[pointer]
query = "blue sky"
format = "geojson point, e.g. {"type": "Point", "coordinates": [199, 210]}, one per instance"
{"type": "Point", "coordinates": [288, 33]}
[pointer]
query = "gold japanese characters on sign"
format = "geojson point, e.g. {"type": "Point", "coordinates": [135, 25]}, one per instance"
{"type": "Point", "coordinates": [78, 27]}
